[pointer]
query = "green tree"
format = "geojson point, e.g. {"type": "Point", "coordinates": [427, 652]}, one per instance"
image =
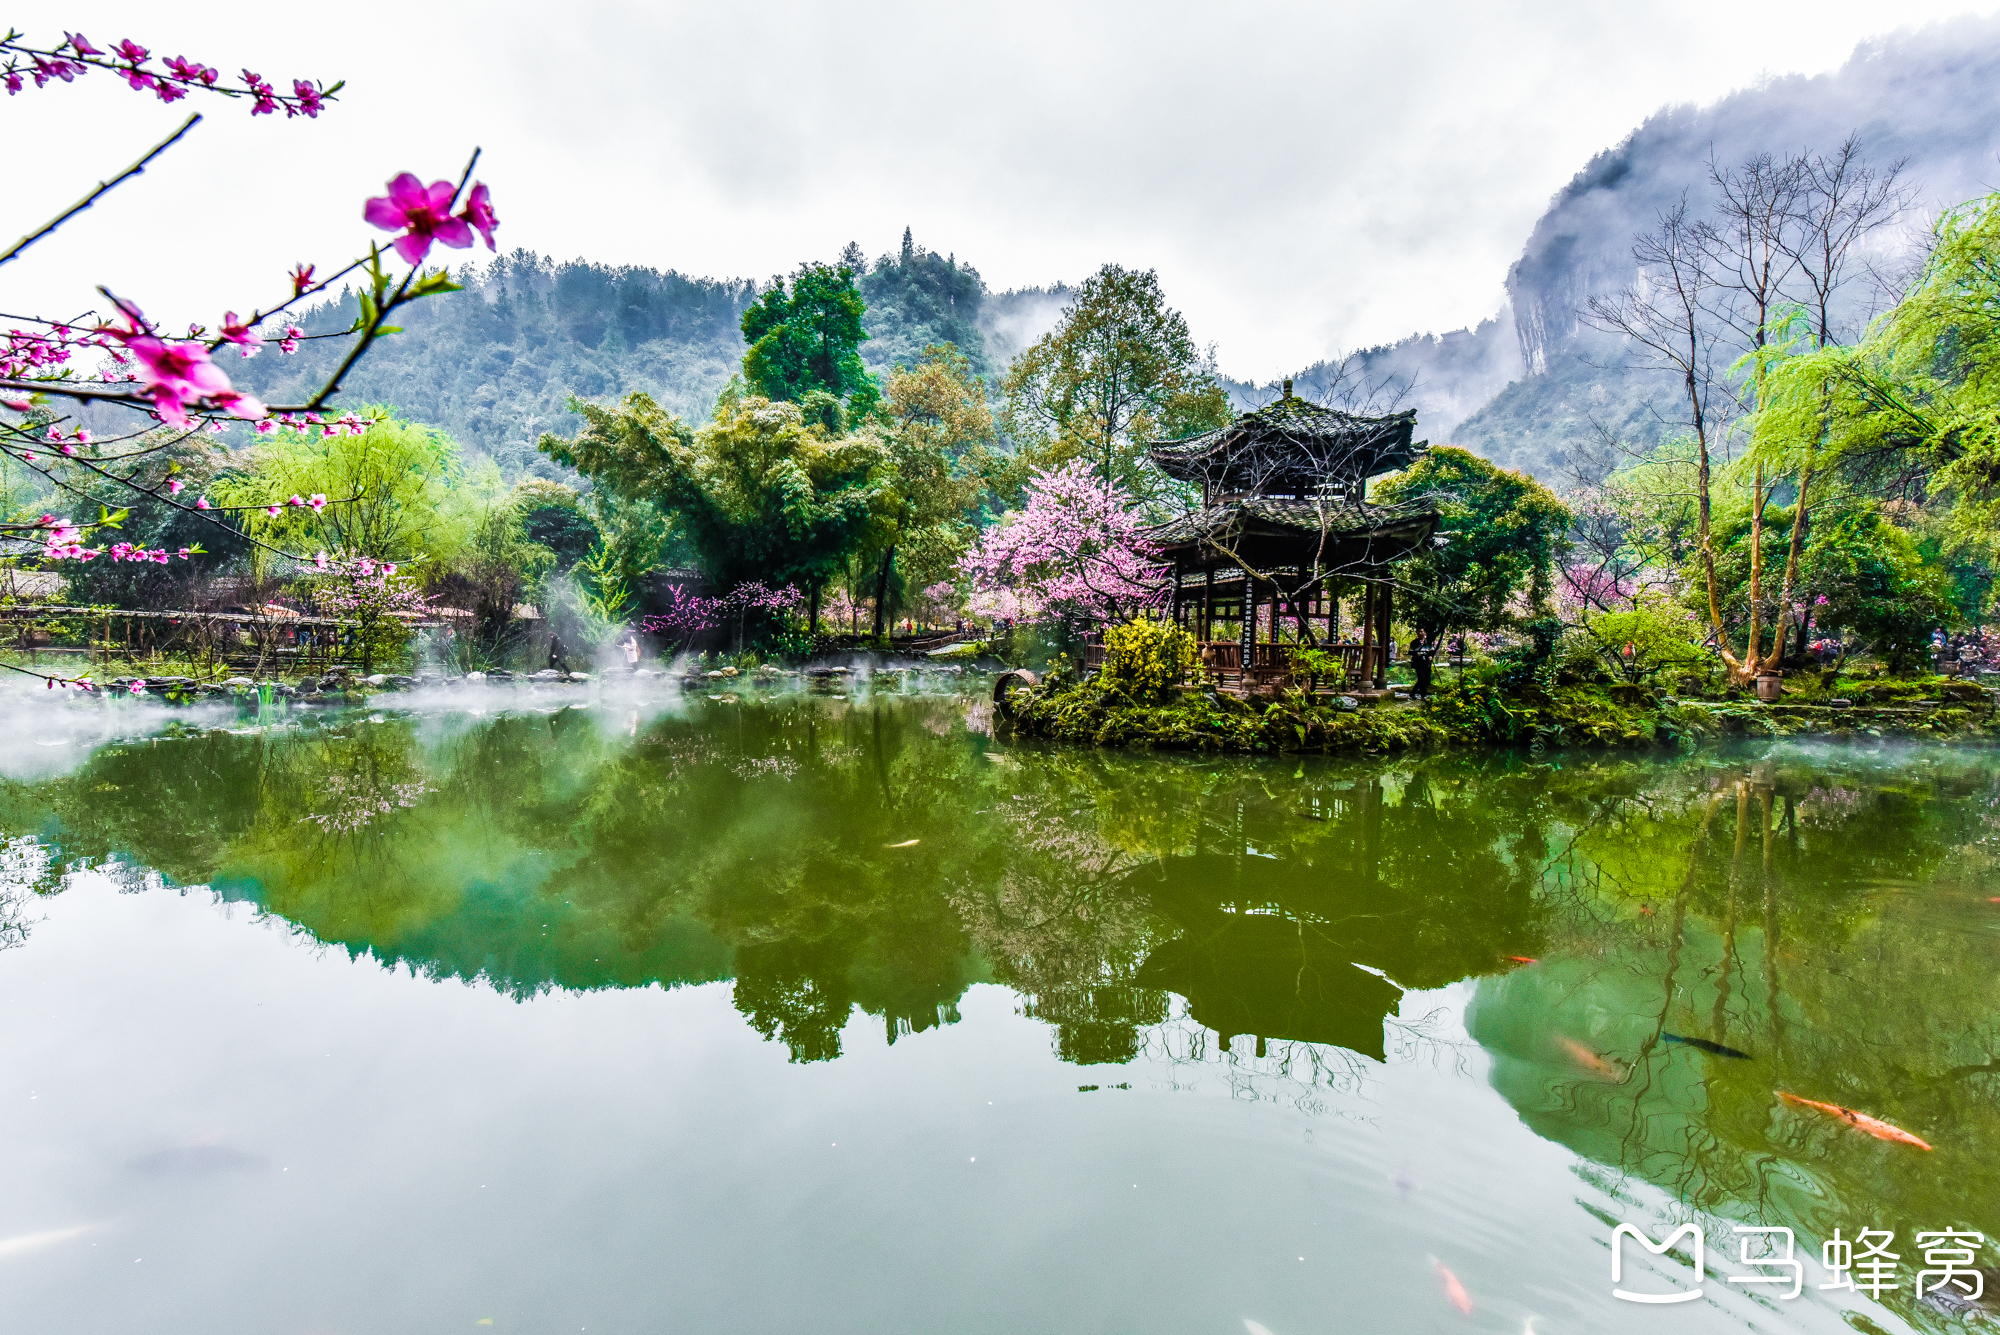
{"type": "Point", "coordinates": [1504, 533]}
{"type": "Point", "coordinates": [392, 491]}
{"type": "Point", "coordinates": [760, 492]}
{"type": "Point", "coordinates": [1119, 369]}
{"type": "Point", "coordinates": [809, 338]}
{"type": "Point", "coordinates": [1876, 586]}
{"type": "Point", "coordinates": [553, 516]}
{"type": "Point", "coordinates": [939, 438]}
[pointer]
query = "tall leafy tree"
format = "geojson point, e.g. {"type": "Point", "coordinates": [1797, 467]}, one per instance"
{"type": "Point", "coordinates": [939, 436]}
{"type": "Point", "coordinates": [1504, 533]}
{"type": "Point", "coordinates": [807, 338]}
{"type": "Point", "coordinates": [1119, 369]}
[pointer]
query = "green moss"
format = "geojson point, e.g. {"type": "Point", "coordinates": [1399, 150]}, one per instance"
{"type": "Point", "coordinates": [1473, 713]}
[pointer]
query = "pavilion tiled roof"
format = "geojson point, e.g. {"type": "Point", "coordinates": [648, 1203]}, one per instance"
{"type": "Point", "coordinates": [1291, 445]}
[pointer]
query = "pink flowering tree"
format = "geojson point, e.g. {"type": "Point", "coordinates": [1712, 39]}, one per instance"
{"type": "Point", "coordinates": [117, 360]}
{"type": "Point", "coordinates": [1076, 554]}
{"type": "Point", "coordinates": [380, 603]}
{"type": "Point", "coordinates": [690, 614]}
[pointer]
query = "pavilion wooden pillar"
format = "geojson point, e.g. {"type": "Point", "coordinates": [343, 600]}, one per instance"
{"type": "Point", "coordinates": [1247, 635]}
{"type": "Point", "coordinates": [1174, 608]}
{"type": "Point", "coordinates": [1382, 663]}
{"type": "Point", "coordinates": [1207, 601]}
{"type": "Point", "coordinates": [1367, 627]}
{"type": "Point", "coordinates": [1332, 615]}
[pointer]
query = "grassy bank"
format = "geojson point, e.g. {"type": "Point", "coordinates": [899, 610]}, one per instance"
{"type": "Point", "coordinates": [1475, 713]}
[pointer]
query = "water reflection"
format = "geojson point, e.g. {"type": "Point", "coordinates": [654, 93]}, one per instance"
{"type": "Point", "coordinates": [1828, 915]}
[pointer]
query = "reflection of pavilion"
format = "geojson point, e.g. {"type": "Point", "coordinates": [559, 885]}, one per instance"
{"type": "Point", "coordinates": [1284, 527]}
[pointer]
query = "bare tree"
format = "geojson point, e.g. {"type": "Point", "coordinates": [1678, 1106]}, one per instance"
{"type": "Point", "coordinates": [1754, 238]}
{"type": "Point", "coordinates": [1665, 317]}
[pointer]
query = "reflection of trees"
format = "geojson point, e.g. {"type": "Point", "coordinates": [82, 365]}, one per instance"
{"type": "Point", "coordinates": [1825, 913]}
{"type": "Point", "coordinates": [27, 871]}
{"type": "Point", "coordinates": [1245, 924]}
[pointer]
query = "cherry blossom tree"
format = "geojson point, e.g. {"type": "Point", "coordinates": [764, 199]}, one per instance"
{"type": "Point", "coordinates": [689, 614]}
{"type": "Point", "coordinates": [369, 593]}
{"type": "Point", "coordinates": [1076, 553]}
{"type": "Point", "coordinates": [117, 358]}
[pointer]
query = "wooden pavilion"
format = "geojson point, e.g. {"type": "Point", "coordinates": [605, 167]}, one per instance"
{"type": "Point", "coordinates": [1283, 529]}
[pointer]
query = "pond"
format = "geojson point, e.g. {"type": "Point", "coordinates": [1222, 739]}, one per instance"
{"type": "Point", "coordinates": [837, 1012]}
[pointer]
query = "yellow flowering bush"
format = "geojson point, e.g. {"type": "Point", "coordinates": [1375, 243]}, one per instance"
{"type": "Point", "coordinates": [1144, 659]}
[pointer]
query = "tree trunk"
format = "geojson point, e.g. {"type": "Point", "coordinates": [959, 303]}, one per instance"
{"type": "Point", "coordinates": [1790, 585]}
{"type": "Point", "coordinates": [882, 590]}
{"type": "Point", "coordinates": [812, 610]}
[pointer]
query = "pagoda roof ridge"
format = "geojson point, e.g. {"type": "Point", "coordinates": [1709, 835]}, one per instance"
{"type": "Point", "coordinates": [1290, 438]}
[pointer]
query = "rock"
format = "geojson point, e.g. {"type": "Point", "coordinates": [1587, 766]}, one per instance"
{"type": "Point", "coordinates": [475, 676]}
{"type": "Point", "coordinates": [239, 683]}
{"type": "Point", "coordinates": [1840, 704]}
{"type": "Point", "coordinates": [402, 683]}
{"type": "Point", "coordinates": [288, 691]}
{"type": "Point", "coordinates": [379, 679]}
{"type": "Point", "coordinates": [1346, 702]}
{"type": "Point", "coordinates": [731, 672]}
{"type": "Point", "coordinates": [713, 676]}
{"type": "Point", "coordinates": [579, 676]}
{"type": "Point", "coordinates": [499, 674]}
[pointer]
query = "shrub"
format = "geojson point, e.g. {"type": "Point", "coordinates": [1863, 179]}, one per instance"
{"type": "Point", "coordinates": [1144, 659]}
{"type": "Point", "coordinates": [1646, 641]}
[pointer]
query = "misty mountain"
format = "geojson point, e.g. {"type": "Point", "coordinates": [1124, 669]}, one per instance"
{"type": "Point", "coordinates": [1929, 98]}
{"type": "Point", "coordinates": [1445, 377]}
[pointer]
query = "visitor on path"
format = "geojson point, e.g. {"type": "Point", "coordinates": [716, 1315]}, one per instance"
{"type": "Point", "coordinates": [558, 660]}
{"type": "Point", "coordinates": [1422, 651]}
{"type": "Point", "coordinates": [631, 648]}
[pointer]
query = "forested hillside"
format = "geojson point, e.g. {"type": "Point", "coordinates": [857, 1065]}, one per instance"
{"type": "Point", "coordinates": [495, 364]}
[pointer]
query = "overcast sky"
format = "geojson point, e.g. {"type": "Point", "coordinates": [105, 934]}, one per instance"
{"type": "Point", "coordinates": [1304, 177]}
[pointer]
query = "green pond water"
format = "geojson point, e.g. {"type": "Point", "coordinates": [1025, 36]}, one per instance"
{"type": "Point", "coordinates": [799, 1012]}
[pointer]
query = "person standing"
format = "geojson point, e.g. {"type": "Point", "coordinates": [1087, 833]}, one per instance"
{"type": "Point", "coordinates": [631, 648]}
{"type": "Point", "coordinates": [1422, 651]}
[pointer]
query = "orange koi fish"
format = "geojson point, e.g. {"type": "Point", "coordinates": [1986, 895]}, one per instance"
{"type": "Point", "coordinates": [1604, 1068]}
{"type": "Point", "coordinates": [1860, 1121]}
{"type": "Point", "coordinates": [1520, 959]}
{"type": "Point", "coordinates": [1454, 1291]}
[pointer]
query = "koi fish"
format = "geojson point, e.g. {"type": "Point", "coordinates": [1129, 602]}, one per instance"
{"type": "Point", "coordinates": [1860, 1121]}
{"type": "Point", "coordinates": [1454, 1291]}
{"type": "Point", "coordinates": [1520, 959]}
{"type": "Point", "coordinates": [1605, 1068]}
{"type": "Point", "coordinates": [907, 843]}
{"type": "Point", "coordinates": [1717, 1048]}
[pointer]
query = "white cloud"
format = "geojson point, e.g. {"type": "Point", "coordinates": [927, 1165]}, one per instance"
{"type": "Point", "coordinates": [1304, 176]}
